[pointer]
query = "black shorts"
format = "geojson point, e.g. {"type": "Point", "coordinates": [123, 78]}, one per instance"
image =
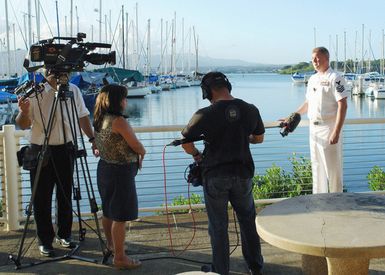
{"type": "Point", "coordinates": [116, 183]}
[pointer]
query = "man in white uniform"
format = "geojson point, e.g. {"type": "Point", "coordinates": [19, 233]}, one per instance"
{"type": "Point", "coordinates": [326, 105]}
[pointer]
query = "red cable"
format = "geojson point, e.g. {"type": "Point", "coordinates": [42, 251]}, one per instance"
{"type": "Point", "coordinates": [167, 213]}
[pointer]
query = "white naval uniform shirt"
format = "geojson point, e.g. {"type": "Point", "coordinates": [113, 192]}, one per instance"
{"type": "Point", "coordinates": [324, 90]}
{"type": "Point", "coordinates": [46, 100]}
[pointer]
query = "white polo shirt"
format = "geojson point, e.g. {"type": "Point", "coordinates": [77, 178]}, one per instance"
{"type": "Point", "coordinates": [40, 122]}
{"type": "Point", "coordinates": [324, 90]}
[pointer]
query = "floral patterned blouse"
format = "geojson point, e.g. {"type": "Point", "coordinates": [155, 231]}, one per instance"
{"type": "Point", "coordinates": [112, 147]}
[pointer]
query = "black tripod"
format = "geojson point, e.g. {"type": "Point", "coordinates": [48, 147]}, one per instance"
{"type": "Point", "coordinates": [62, 95]}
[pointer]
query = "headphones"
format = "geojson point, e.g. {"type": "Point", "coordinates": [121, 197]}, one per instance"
{"type": "Point", "coordinates": [213, 79]}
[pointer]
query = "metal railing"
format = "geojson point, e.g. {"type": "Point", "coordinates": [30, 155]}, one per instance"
{"type": "Point", "coordinates": [364, 147]}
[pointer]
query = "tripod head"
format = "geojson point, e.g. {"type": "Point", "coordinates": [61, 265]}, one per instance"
{"type": "Point", "coordinates": [60, 81]}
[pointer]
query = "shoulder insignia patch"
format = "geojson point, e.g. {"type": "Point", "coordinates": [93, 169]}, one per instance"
{"type": "Point", "coordinates": [340, 88]}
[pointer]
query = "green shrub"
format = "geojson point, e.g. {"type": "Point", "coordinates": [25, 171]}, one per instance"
{"type": "Point", "coordinates": [273, 184]}
{"type": "Point", "coordinates": [376, 179]}
{"type": "Point", "coordinates": [301, 175]}
{"type": "Point", "coordinates": [277, 183]}
{"type": "Point", "coordinates": [181, 200]}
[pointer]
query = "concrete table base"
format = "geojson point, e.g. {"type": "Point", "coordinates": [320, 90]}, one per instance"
{"type": "Point", "coordinates": [337, 233]}
{"type": "Point", "coordinates": [314, 265]}
{"type": "Point", "coordinates": [348, 266]}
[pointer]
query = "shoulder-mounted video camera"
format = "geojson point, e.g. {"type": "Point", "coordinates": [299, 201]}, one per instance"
{"type": "Point", "coordinates": [68, 57]}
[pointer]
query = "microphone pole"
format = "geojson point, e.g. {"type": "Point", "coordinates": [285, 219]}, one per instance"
{"type": "Point", "coordinates": [178, 142]}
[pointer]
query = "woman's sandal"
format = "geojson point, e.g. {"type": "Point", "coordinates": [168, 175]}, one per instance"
{"type": "Point", "coordinates": [130, 264]}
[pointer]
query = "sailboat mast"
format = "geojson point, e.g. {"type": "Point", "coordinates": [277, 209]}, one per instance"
{"type": "Point", "coordinates": [127, 48]}
{"type": "Point", "coordinates": [149, 48]}
{"type": "Point", "coordinates": [14, 47]}
{"type": "Point", "coordinates": [123, 50]}
{"type": "Point", "coordinates": [370, 48]}
{"type": "Point", "coordinates": [383, 52]}
{"type": "Point", "coordinates": [137, 36]}
{"type": "Point", "coordinates": [172, 47]}
{"type": "Point", "coordinates": [105, 28]}
{"type": "Point", "coordinates": [362, 49]}
{"type": "Point", "coordinates": [57, 19]}
{"type": "Point", "coordinates": [336, 66]}
{"type": "Point", "coordinates": [37, 8]}
{"type": "Point", "coordinates": [29, 23]}
{"type": "Point", "coordinates": [196, 40]}
{"type": "Point", "coordinates": [71, 17]}
{"type": "Point", "coordinates": [100, 20]}
{"type": "Point", "coordinates": [8, 50]}
{"type": "Point", "coordinates": [77, 19]}
{"type": "Point", "coordinates": [161, 45]}
{"type": "Point", "coordinates": [65, 26]}
{"type": "Point", "coordinates": [344, 51]}
{"type": "Point", "coordinates": [189, 52]}
{"type": "Point", "coordinates": [183, 45]}
{"type": "Point", "coordinates": [355, 53]}
{"type": "Point", "coordinates": [173, 53]}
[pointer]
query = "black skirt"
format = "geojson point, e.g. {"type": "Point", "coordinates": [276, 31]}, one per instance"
{"type": "Point", "coordinates": [116, 183]}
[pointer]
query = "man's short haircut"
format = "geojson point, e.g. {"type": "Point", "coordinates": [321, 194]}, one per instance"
{"type": "Point", "coordinates": [322, 50]}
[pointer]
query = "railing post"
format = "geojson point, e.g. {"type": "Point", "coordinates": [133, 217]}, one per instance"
{"type": "Point", "coordinates": [10, 168]}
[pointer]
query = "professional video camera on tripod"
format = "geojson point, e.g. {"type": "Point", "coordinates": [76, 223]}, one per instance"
{"type": "Point", "coordinates": [56, 112]}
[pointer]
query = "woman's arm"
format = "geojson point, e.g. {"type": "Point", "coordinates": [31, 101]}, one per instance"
{"type": "Point", "coordinates": [121, 126]}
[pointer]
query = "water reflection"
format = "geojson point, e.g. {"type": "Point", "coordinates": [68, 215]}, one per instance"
{"type": "Point", "coordinates": [273, 94]}
{"type": "Point", "coordinates": [165, 108]}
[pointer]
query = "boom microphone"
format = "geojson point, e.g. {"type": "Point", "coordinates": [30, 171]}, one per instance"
{"type": "Point", "coordinates": [177, 142]}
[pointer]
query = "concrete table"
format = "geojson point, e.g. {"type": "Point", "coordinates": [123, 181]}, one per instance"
{"type": "Point", "coordinates": [348, 229]}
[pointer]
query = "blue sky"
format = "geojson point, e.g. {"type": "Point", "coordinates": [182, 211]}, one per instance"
{"type": "Point", "coordinates": [268, 31]}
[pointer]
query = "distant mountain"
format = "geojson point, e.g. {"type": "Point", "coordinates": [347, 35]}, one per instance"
{"type": "Point", "coordinates": [205, 63]}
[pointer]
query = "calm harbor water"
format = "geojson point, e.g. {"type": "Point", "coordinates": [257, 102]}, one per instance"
{"type": "Point", "coordinates": [275, 96]}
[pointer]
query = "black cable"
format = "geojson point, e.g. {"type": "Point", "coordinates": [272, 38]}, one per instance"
{"type": "Point", "coordinates": [174, 257]}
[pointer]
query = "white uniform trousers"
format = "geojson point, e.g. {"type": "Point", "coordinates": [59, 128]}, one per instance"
{"type": "Point", "coordinates": [326, 159]}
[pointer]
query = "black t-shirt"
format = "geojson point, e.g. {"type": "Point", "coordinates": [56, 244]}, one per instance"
{"type": "Point", "coordinates": [226, 126]}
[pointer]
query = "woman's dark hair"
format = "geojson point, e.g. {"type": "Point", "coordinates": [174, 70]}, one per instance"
{"type": "Point", "coordinates": [108, 101]}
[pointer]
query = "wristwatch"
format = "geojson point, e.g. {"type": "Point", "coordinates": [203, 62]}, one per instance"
{"type": "Point", "coordinates": [196, 154]}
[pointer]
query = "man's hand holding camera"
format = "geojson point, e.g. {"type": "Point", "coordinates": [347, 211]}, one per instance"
{"type": "Point", "coordinates": [22, 118]}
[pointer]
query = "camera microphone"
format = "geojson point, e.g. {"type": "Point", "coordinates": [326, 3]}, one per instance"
{"type": "Point", "coordinates": [177, 142]}
{"type": "Point", "coordinates": [23, 87]}
{"type": "Point", "coordinates": [31, 88]}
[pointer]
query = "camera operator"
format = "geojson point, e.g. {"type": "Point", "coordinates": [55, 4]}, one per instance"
{"type": "Point", "coordinates": [229, 125]}
{"type": "Point", "coordinates": [58, 165]}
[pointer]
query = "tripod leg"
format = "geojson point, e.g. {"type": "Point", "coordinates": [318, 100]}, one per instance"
{"type": "Point", "coordinates": [77, 198]}
{"type": "Point", "coordinates": [41, 158]}
{"type": "Point", "coordinates": [82, 155]}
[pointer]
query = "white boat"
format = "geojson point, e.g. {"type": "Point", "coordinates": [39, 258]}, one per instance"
{"type": "Point", "coordinates": [194, 82]}
{"type": "Point", "coordinates": [300, 78]}
{"type": "Point", "coordinates": [154, 89]}
{"type": "Point", "coordinates": [379, 93]}
{"type": "Point", "coordinates": [137, 91]}
{"type": "Point", "coordinates": [369, 92]}
{"type": "Point", "coordinates": [181, 82]}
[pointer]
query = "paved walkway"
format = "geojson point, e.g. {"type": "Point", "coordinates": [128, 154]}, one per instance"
{"type": "Point", "coordinates": [147, 240]}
